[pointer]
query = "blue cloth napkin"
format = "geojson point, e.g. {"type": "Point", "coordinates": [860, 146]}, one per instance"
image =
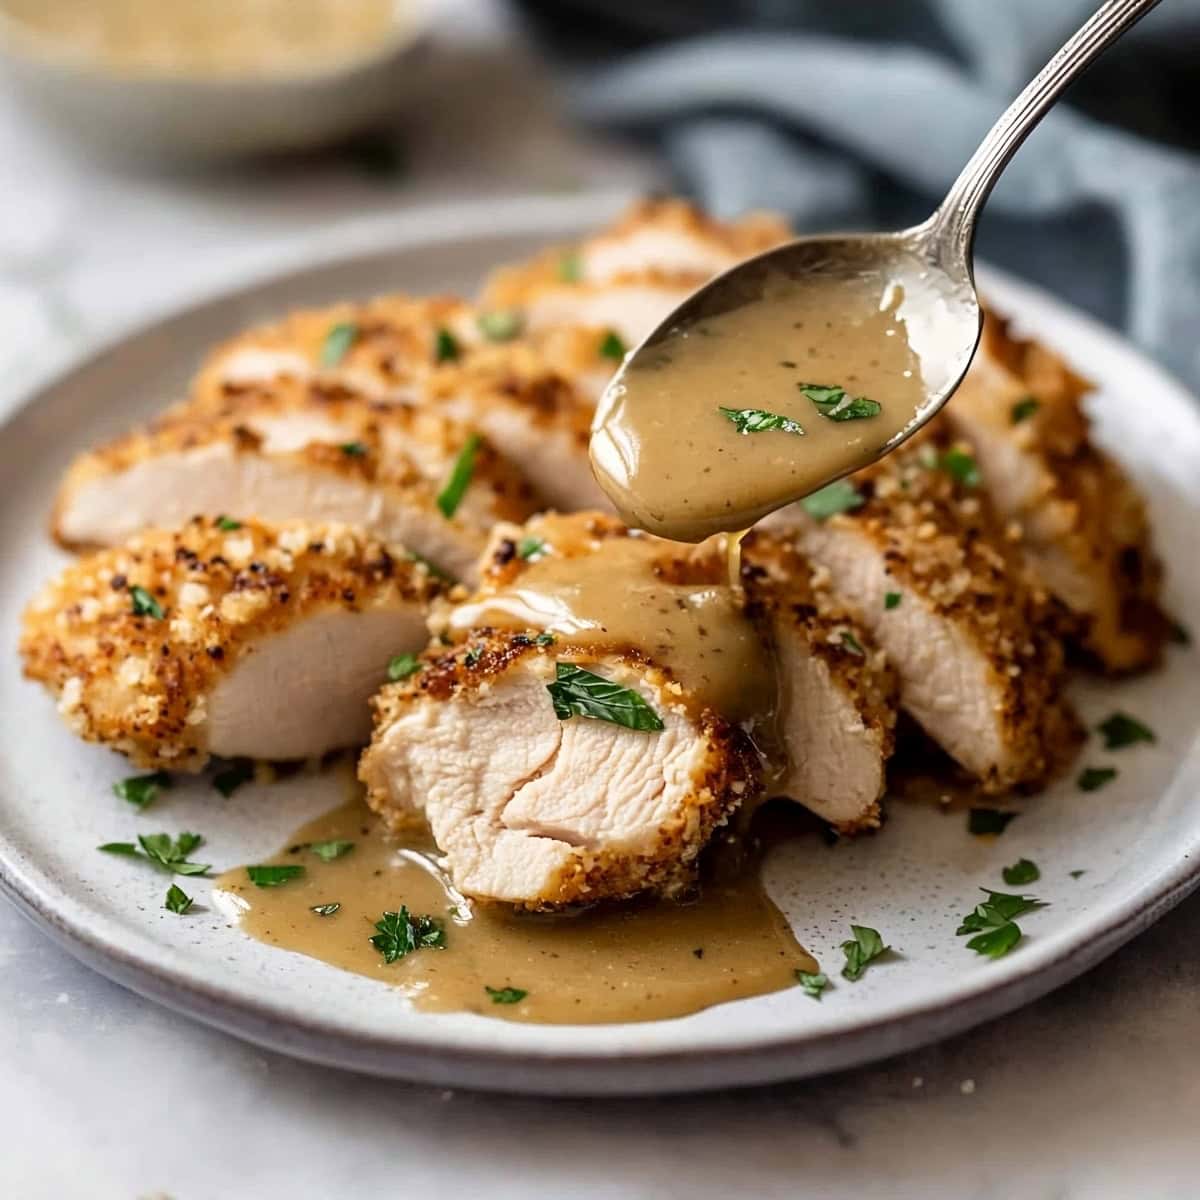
{"type": "Point", "coordinates": [859, 116]}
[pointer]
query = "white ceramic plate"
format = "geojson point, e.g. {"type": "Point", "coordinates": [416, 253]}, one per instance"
{"type": "Point", "coordinates": [1137, 839]}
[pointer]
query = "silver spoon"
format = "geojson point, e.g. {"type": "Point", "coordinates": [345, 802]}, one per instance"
{"type": "Point", "coordinates": [933, 262]}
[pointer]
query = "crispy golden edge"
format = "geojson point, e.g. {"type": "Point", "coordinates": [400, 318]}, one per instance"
{"type": "Point", "coordinates": [139, 683]}
{"type": "Point", "coordinates": [729, 775]}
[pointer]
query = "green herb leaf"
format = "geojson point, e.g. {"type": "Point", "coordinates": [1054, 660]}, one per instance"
{"type": "Point", "coordinates": [1121, 730]}
{"type": "Point", "coordinates": [501, 324]}
{"type": "Point", "coordinates": [837, 497]}
{"type": "Point", "coordinates": [813, 985]}
{"type": "Point", "coordinates": [353, 449]}
{"type": "Point", "coordinates": [337, 343]}
{"type": "Point", "coordinates": [274, 875]}
{"type": "Point", "coordinates": [127, 848]}
{"type": "Point", "coordinates": [325, 910]}
{"type": "Point", "coordinates": [228, 524]}
{"type": "Point", "coordinates": [892, 600]}
{"type": "Point", "coordinates": [579, 693]}
{"type": "Point", "coordinates": [451, 496]}
{"type": "Point", "coordinates": [611, 346]}
{"type": "Point", "coordinates": [1092, 778]}
{"type": "Point", "coordinates": [506, 995]}
{"type": "Point", "coordinates": [866, 946]}
{"type": "Point", "coordinates": [163, 852]}
{"type": "Point", "coordinates": [570, 267]}
{"type": "Point", "coordinates": [177, 901]}
{"type": "Point", "coordinates": [998, 909]}
{"type": "Point", "coordinates": [229, 779]}
{"type": "Point", "coordinates": [1021, 872]}
{"type": "Point", "coordinates": [530, 547]}
{"type": "Point", "coordinates": [431, 567]}
{"type": "Point", "coordinates": [328, 851]}
{"type": "Point", "coordinates": [834, 404]}
{"type": "Point", "coordinates": [472, 656]}
{"type": "Point", "coordinates": [401, 666]}
{"type": "Point", "coordinates": [995, 943]}
{"type": "Point", "coordinates": [1076, 874]}
{"type": "Point", "coordinates": [445, 346]}
{"type": "Point", "coordinates": [1024, 409]}
{"type": "Point", "coordinates": [981, 821]}
{"type": "Point", "coordinates": [142, 790]}
{"type": "Point", "coordinates": [144, 604]}
{"type": "Point", "coordinates": [962, 467]}
{"type": "Point", "coordinates": [851, 644]}
{"type": "Point", "coordinates": [757, 420]}
{"type": "Point", "coordinates": [399, 933]}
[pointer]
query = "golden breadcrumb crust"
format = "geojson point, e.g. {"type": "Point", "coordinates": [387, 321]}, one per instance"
{"type": "Point", "coordinates": [138, 682]}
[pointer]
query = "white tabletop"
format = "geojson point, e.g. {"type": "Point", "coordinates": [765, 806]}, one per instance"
{"type": "Point", "coordinates": [1093, 1092]}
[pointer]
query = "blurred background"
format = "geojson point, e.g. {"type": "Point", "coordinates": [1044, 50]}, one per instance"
{"type": "Point", "coordinates": [150, 150]}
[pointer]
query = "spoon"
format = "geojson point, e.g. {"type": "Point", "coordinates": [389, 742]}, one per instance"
{"type": "Point", "coordinates": [660, 447]}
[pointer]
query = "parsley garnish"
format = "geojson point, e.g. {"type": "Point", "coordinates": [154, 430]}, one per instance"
{"type": "Point", "coordinates": [399, 933]}
{"type": "Point", "coordinates": [445, 346]}
{"type": "Point", "coordinates": [353, 449]}
{"type": "Point", "coordinates": [337, 343]}
{"type": "Point", "coordinates": [1021, 872]}
{"type": "Point", "coordinates": [274, 875]}
{"type": "Point", "coordinates": [326, 910]}
{"type": "Point", "coordinates": [1092, 778]}
{"type": "Point", "coordinates": [141, 790]}
{"type": "Point", "coordinates": [891, 600]}
{"type": "Point", "coordinates": [961, 467]}
{"type": "Point", "coordinates": [228, 524]}
{"type": "Point", "coordinates": [837, 497]}
{"type": "Point", "coordinates": [530, 547]}
{"type": "Point", "coordinates": [1024, 409]}
{"type": "Point", "coordinates": [579, 693]}
{"type": "Point", "coordinates": [570, 267]}
{"type": "Point", "coordinates": [402, 666]}
{"type": "Point", "coordinates": [611, 346]}
{"type": "Point", "coordinates": [982, 821]}
{"type": "Point", "coordinates": [162, 852]}
{"type": "Point", "coordinates": [473, 655]}
{"type": "Point", "coordinates": [451, 496]}
{"type": "Point", "coordinates": [506, 995]}
{"type": "Point", "coordinates": [544, 639]}
{"type": "Point", "coordinates": [994, 922]}
{"type": "Point", "coordinates": [501, 324]}
{"type": "Point", "coordinates": [227, 781]}
{"type": "Point", "coordinates": [851, 644]}
{"type": "Point", "coordinates": [1076, 874]}
{"type": "Point", "coordinates": [1121, 730]}
{"type": "Point", "coordinates": [328, 851]}
{"type": "Point", "coordinates": [863, 949]}
{"type": "Point", "coordinates": [836, 405]}
{"type": "Point", "coordinates": [813, 985]}
{"type": "Point", "coordinates": [757, 420]}
{"type": "Point", "coordinates": [177, 901]}
{"type": "Point", "coordinates": [144, 604]}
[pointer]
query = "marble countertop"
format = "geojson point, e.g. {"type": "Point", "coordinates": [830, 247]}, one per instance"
{"type": "Point", "coordinates": [1092, 1092]}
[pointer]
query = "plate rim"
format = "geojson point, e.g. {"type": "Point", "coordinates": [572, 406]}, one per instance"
{"type": "Point", "coordinates": [470, 1060]}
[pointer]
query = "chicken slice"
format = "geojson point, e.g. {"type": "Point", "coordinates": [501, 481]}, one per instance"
{"type": "Point", "coordinates": [922, 566]}
{"type": "Point", "coordinates": [1083, 525]}
{"type": "Point", "coordinates": [295, 450]}
{"type": "Point", "coordinates": [542, 812]}
{"type": "Point", "coordinates": [837, 694]}
{"type": "Point", "coordinates": [249, 641]}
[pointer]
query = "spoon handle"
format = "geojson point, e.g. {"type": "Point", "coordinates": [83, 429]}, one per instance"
{"type": "Point", "coordinates": [952, 227]}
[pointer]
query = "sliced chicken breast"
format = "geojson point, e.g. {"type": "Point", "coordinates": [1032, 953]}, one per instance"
{"type": "Point", "coordinates": [256, 641]}
{"type": "Point", "coordinates": [295, 450]}
{"type": "Point", "coordinates": [541, 811]}
{"type": "Point", "coordinates": [921, 564]}
{"type": "Point", "coordinates": [1082, 524]}
{"type": "Point", "coordinates": [837, 694]}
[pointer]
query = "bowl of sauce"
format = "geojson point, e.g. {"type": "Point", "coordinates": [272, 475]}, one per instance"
{"type": "Point", "coordinates": [195, 79]}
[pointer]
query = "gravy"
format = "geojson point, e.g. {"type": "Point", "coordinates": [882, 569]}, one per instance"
{"type": "Point", "coordinates": [641, 962]}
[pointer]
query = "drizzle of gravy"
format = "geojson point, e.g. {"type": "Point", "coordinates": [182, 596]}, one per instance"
{"type": "Point", "coordinates": [641, 962]}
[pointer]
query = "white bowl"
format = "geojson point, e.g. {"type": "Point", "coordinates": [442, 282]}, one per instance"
{"type": "Point", "coordinates": [199, 117]}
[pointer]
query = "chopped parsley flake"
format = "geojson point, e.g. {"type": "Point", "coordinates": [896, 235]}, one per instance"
{"type": "Point", "coordinates": [238, 772]}
{"type": "Point", "coordinates": [1077, 874]}
{"type": "Point", "coordinates": [144, 604]}
{"type": "Point", "coordinates": [813, 984]}
{"type": "Point", "coordinates": [837, 497]}
{"type": "Point", "coordinates": [473, 655]}
{"type": "Point", "coordinates": [501, 324]}
{"type": "Point", "coordinates": [401, 666]}
{"type": "Point", "coordinates": [994, 922]}
{"type": "Point", "coordinates": [530, 547]}
{"type": "Point", "coordinates": [399, 933]}
{"type": "Point", "coordinates": [328, 851]}
{"type": "Point", "coordinates": [228, 524]}
{"type": "Point", "coordinates": [326, 910]}
{"type": "Point", "coordinates": [892, 600]}
{"type": "Point", "coordinates": [451, 496]}
{"type": "Point", "coordinates": [982, 821]}
{"type": "Point", "coordinates": [1121, 730]}
{"type": "Point", "coordinates": [445, 346]}
{"type": "Point", "coordinates": [579, 693]}
{"type": "Point", "coordinates": [851, 644]}
{"type": "Point", "coordinates": [757, 420]}
{"type": "Point", "coordinates": [337, 343]}
{"type": "Point", "coordinates": [834, 403]}
{"type": "Point", "coordinates": [353, 449]}
{"type": "Point", "coordinates": [1093, 778]}
{"type": "Point", "coordinates": [274, 875]}
{"type": "Point", "coordinates": [996, 942]}
{"type": "Point", "coordinates": [162, 851]}
{"type": "Point", "coordinates": [544, 639]}
{"type": "Point", "coordinates": [177, 901]}
{"type": "Point", "coordinates": [1021, 872]}
{"type": "Point", "coordinates": [961, 467]}
{"type": "Point", "coordinates": [506, 995]}
{"type": "Point", "coordinates": [865, 947]}
{"type": "Point", "coordinates": [141, 790]}
{"type": "Point", "coordinates": [611, 346]}
{"type": "Point", "coordinates": [1024, 409]}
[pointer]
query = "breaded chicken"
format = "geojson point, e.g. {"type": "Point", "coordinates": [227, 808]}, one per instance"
{"type": "Point", "coordinates": [226, 639]}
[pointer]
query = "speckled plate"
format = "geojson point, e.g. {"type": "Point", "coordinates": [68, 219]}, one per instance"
{"type": "Point", "coordinates": [1136, 840]}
